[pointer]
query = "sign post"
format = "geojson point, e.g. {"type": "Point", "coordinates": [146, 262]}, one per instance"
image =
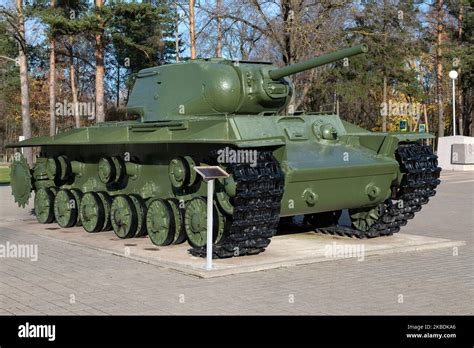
{"type": "Point", "coordinates": [21, 138]}
{"type": "Point", "coordinates": [453, 75]}
{"type": "Point", "coordinates": [209, 174]}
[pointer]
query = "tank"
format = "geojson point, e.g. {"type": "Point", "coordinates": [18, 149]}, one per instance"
{"type": "Point", "coordinates": [137, 177]}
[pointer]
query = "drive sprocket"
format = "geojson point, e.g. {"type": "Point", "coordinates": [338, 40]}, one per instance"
{"type": "Point", "coordinates": [21, 180]}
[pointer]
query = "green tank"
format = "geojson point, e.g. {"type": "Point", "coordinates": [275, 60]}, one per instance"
{"type": "Point", "coordinates": [138, 178]}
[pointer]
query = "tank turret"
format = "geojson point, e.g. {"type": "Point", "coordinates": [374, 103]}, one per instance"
{"type": "Point", "coordinates": [218, 86]}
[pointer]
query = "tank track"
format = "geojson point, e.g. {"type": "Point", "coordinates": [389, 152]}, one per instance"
{"type": "Point", "coordinates": [421, 177]}
{"type": "Point", "coordinates": [259, 191]}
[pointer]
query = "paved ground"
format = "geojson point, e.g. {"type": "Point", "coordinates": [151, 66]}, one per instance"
{"type": "Point", "coordinates": [70, 279]}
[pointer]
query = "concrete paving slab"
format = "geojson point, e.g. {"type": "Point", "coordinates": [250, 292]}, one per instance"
{"type": "Point", "coordinates": [284, 250]}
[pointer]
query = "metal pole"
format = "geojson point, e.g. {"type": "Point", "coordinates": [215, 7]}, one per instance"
{"type": "Point", "coordinates": [454, 108]}
{"type": "Point", "coordinates": [210, 194]}
{"type": "Point", "coordinates": [21, 138]}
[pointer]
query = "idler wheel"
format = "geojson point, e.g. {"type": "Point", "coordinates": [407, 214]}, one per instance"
{"type": "Point", "coordinates": [92, 212]}
{"type": "Point", "coordinates": [44, 205]}
{"type": "Point", "coordinates": [124, 217]}
{"type": "Point", "coordinates": [160, 222]}
{"type": "Point", "coordinates": [66, 208]}
{"type": "Point", "coordinates": [141, 208]}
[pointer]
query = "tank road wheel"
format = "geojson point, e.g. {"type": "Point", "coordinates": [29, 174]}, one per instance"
{"type": "Point", "coordinates": [78, 196]}
{"type": "Point", "coordinates": [195, 222]}
{"type": "Point", "coordinates": [44, 205]}
{"type": "Point", "coordinates": [120, 169]}
{"type": "Point", "coordinates": [178, 216]}
{"type": "Point", "coordinates": [107, 202]}
{"type": "Point", "coordinates": [58, 168]}
{"type": "Point", "coordinates": [140, 206]}
{"type": "Point", "coordinates": [111, 170]}
{"type": "Point", "coordinates": [106, 170]}
{"type": "Point", "coordinates": [160, 222]}
{"type": "Point", "coordinates": [65, 208]}
{"type": "Point", "coordinates": [124, 217]}
{"type": "Point", "coordinates": [221, 222]}
{"type": "Point", "coordinates": [181, 173]}
{"type": "Point", "coordinates": [54, 190]}
{"type": "Point", "coordinates": [225, 191]}
{"type": "Point", "coordinates": [178, 172]}
{"type": "Point", "coordinates": [92, 212]}
{"type": "Point", "coordinates": [364, 219]}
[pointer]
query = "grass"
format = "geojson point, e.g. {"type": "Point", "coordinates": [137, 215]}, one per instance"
{"type": "Point", "coordinates": [4, 175]}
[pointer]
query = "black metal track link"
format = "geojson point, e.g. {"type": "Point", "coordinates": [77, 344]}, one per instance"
{"type": "Point", "coordinates": [259, 191]}
{"type": "Point", "coordinates": [421, 177]}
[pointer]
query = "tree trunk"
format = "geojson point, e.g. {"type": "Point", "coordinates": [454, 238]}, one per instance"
{"type": "Point", "coordinates": [439, 68]}
{"type": "Point", "coordinates": [52, 83]}
{"type": "Point", "coordinates": [72, 80]}
{"type": "Point", "coordinates": [99, 67]}
{"type": "Point", "coordinates": [25, 99]}
{"type": "Point", "coordinates": [192, 34]}
{"type": "Point", "coordinates": [118, 85]}
{"type": "Point", "coordinates": [219, 29]}
{"type": "Point", "coordinates": [384, 116]}
{"type": "Point", "coordinates": [288, 54]}
{"type": "Point", "coordinates": [459, 89]}
{"type": "Point", "coordinates": [176, 33]}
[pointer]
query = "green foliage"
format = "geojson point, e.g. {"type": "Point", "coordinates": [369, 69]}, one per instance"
{"type": "Point", "coordinates": [388, 28]}
{"type": "Point", "coordinates": [140, 33]}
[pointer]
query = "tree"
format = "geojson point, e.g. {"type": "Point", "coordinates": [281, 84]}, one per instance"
{"type": "Point", "coordinates": [141, 36]}
{"type": "Point", "coordinates": [219, 29]}
{"type": "Point", "coordinates": [99, 63]}
{"type": "Point", "coordinates": [192, 34]}
{"type": "Point", "coordinates": [290, 31]}
{"type": "Point", "coordinates": [439, 65]}
{"type": "Point", "coordinates": [460, 52]}
{"type": "Point", "coordinates": [387, 71]}
{"type": "Point", "coordinates": [9, 85]}
{"type": "Point", "coordinates": [18, 32]}
{"type": "Point", "coordinates": [52, 81]}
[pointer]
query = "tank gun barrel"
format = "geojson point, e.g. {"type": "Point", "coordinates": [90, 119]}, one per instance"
{"type": "Point", "coordinates": [317, 61]}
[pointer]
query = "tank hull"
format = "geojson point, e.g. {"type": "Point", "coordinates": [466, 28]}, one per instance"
{"type": "Point", "coordinates": [306, 165]}
{"type": "Point", "coordinates": [337, 171]}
